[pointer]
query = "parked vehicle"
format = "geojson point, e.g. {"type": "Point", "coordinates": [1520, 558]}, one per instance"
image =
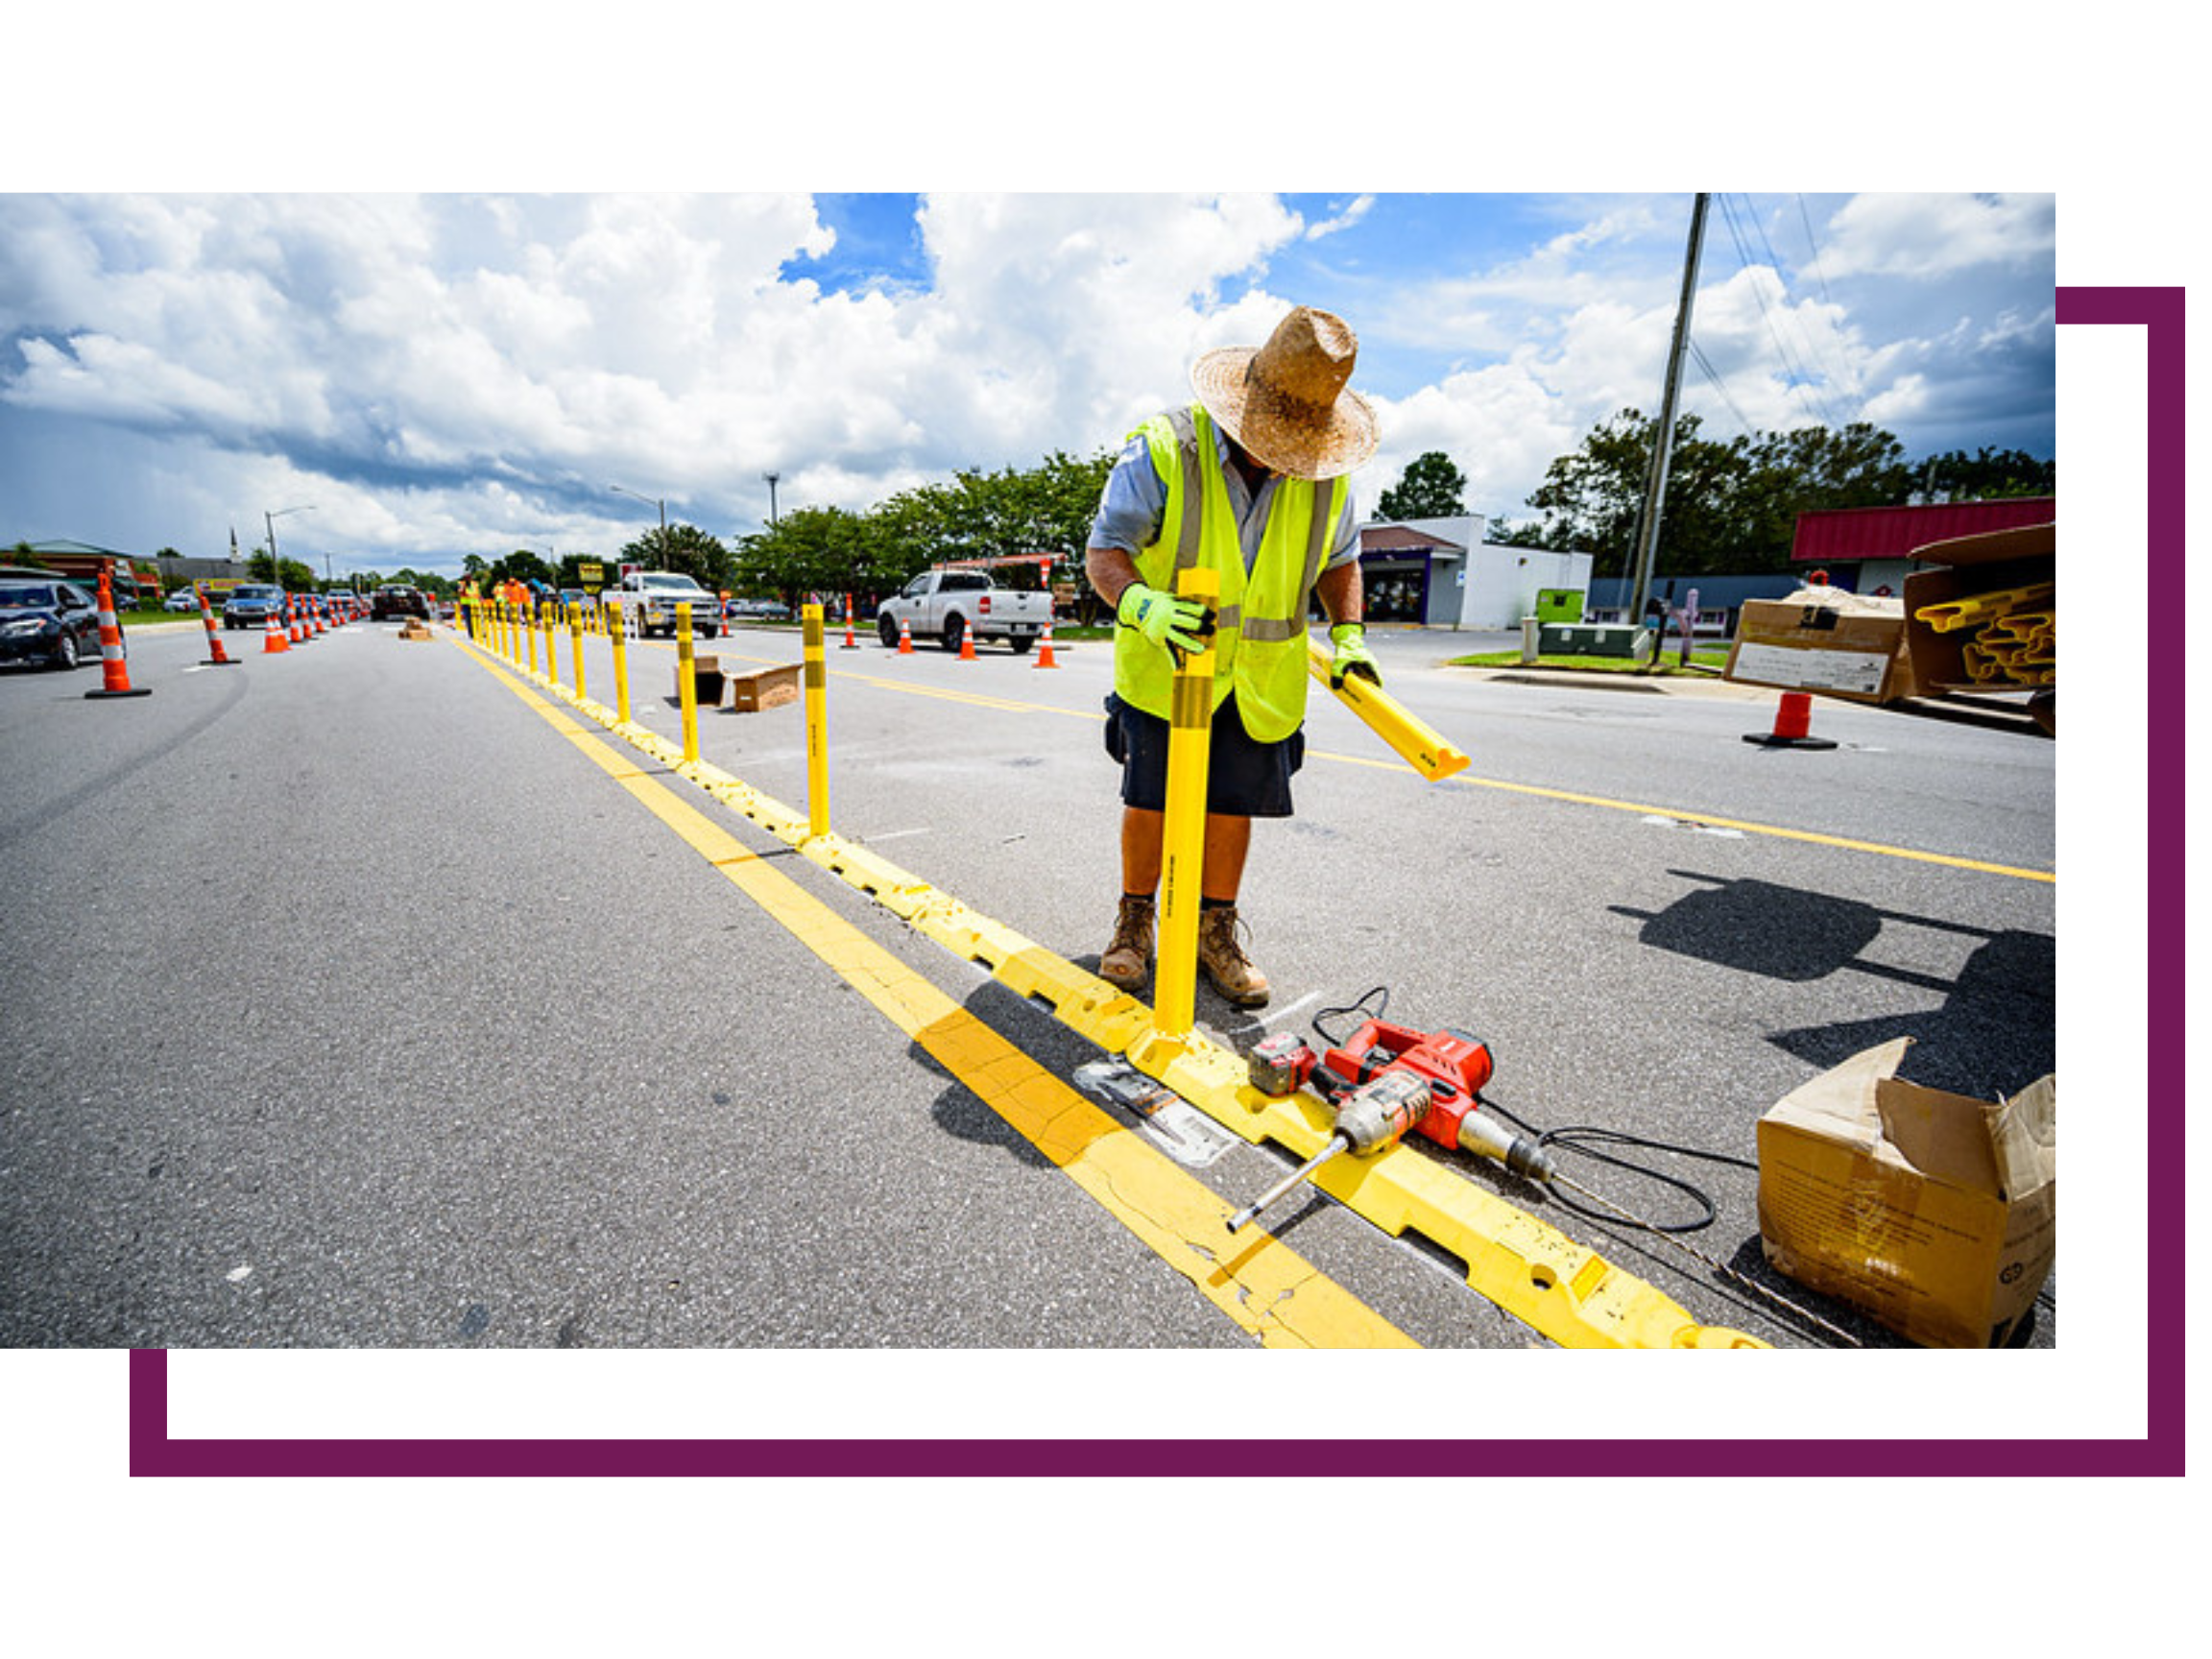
{"type": "Point", "coordinates": [184, 599]}
{"type": "Point", "coordinates": [756, 611]}
{"type": "Point", "coordinates": [48, 622]}
{"type": "Point", "coordinates": [251, 605]}
{"type": "Point", "coordinates": [649, 599]}
{"type": "Point", "coordinates": [942, 604]}
{"type": "Point", "coordinates": [395, 599]}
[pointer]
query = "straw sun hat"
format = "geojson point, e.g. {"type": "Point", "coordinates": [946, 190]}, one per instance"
{"type": "Point", "coordinates": [1288, 402]}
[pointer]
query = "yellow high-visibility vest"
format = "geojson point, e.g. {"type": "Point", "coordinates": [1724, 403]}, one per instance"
{"type": "Point", "coordinates": [1260, 646]}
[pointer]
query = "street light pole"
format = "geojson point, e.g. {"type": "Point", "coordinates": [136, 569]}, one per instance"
{"type": "Point", "coordinates": [275, 571]}
{"type": "Point", "coordinates": [650, 501]}
{"type": "Point", "coordinates": [771, 477]}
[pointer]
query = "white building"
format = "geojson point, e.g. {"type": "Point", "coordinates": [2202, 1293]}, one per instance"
{"type": "Point", "coordinates": [1440, 572]}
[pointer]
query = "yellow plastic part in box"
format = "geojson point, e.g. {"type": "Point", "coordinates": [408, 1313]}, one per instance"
{"type": "Point", "coordinates": [1525, 1266]}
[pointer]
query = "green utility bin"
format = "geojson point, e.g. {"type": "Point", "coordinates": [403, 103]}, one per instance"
{"type": "Point", "coordinates": [1558, 604]}
{"type": "Point", "coordinates": [1586, 640]}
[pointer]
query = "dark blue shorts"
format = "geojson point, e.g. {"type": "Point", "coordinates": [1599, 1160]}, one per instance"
{"type": "Point", "coordinates": [1245, 779]}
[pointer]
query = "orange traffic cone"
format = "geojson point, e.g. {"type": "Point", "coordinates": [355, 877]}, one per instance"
{"type": "Point", "coordinates": [905, 639]}
{"type": "Point", "coordinates": [115, 677]}
{"type": "Point", "coordinates": [217, 656]}
{"type": "Point", "coordinates": [851, 643]}
{"type": "Point", "coordinates": [298, 634]}
{"type": "Point", "coordinates": [1044, 657]}
{"type": "Point", "coordinates": [966, 640]}
{"type": "Point", "coordinates": [1792, 722]}
{"type": "Point", "coordinates": [274, 642]}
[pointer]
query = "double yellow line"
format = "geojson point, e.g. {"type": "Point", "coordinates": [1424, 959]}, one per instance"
{"type": "Point", "coordinates": [1265, 1287]}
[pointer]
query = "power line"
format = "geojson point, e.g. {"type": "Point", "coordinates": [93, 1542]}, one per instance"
{"type": "Point", "coordinates": [1812, 245]}
{"type": "Point", "coordinates": [1812, 341]}
{"type": "Point", "coordinates": [1800, 378]}
{"type": "Point", "coordinates": [1720, 388]}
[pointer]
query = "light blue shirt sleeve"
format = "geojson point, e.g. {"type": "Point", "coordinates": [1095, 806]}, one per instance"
{"type": "Point", "coordinates": [1133, 502]}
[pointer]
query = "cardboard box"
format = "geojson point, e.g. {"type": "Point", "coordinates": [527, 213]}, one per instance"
{"type": "Point", "coordinates": [707, 680]}
{"type": "Point", "coordinates": [1824, 639]}
{"type": "Point", "coordinates": [769, 688]}
{"type": "Point", "coordinates": [1937, 1214]}
{"type": "Point", "coordinates": [1967, 568]}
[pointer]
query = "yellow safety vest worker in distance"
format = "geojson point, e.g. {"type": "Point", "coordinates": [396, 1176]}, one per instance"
{"type": "Point", "coordinates": [1259, 643]}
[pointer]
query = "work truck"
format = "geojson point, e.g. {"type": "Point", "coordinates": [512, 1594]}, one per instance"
{"type": "Point", "coordinates": [941, 605]}
{"type": "Point", "coordinates": [649, 598]}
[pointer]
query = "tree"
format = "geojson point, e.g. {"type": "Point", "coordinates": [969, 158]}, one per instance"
{"type": "Point", "coordinates": [1012, 513]}
{"type": "Point", "coordinates": [523, 565]}
{"type": "Point", "coordinates": [1729, 506]}
{"type": "Point", "coordinates": [685, 549]}
{"type": "Point", "coordinates": [809, 550]}
{"type": "Point", "coordinates": [1431, 488]}
{"type": "Point", "coordinates": [294, 576]}
{"type": "Point", "coordinates": [1985, 476]}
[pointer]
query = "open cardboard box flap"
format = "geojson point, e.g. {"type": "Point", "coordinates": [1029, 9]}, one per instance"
{"type": "Point", "coordinates": [1934, 1212]}
{"type": "Point", "coordinates": [1992, 546]}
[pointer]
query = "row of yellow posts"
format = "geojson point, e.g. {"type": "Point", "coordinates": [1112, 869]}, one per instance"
{"type": "Point", "coordinates": [514, 632]}
{"type": "Point", "coordinates": [511, 632]}
{"type": "Point", "coordinates": [517, 633]}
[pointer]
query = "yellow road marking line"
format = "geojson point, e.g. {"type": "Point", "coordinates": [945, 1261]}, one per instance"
{"type": "Point", "coordinates": [1777, 832]}
{"type": "Point", "coordinates": [1265, 1286]}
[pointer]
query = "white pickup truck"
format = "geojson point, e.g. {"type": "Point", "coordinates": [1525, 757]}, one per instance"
{"type": "Point", "coordinates": [941, 604]}
{"type": "Point", "coordinates": [649, 599]}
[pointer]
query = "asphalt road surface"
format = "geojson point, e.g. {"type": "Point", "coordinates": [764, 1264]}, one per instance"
{"type": "Point", "coordinates": [351, 1002]}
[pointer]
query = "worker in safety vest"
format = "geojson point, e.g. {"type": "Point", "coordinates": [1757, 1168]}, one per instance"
{"type": "Point", "coordinates": [1250, 481]}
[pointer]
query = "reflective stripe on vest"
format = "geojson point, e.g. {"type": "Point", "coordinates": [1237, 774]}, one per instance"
{"type": "Point", "coordinates": [1259, 643]}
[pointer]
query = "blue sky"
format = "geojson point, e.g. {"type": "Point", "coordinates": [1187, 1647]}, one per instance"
{"type": "Point", "coordinates": [461, 373]}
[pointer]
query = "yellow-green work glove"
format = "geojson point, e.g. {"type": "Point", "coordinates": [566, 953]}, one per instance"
{"type": "Point", "coordinates": [1350, 639]}
{"type": "Point", "coordinates": [1178, 624]}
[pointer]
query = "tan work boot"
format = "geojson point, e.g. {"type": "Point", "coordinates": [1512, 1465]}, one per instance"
{"type": "Point", "coordinates": [1129, 957]}
{"type": "Point", "coordinates": [1223, 960]}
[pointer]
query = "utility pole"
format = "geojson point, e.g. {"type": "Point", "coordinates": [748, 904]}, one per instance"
{"type": "Point", "coordinates": [1663, 439]}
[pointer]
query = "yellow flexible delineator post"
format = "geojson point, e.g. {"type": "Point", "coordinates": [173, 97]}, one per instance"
{"type": "Point", "coordinates": [1954, 613]}
{"type": "Point", "coordinates": [613, 614]}
{"type": "Point", "coordinates": [817, 725]}
{"type": "Point", "coordinates": [1421, 745]}
{"type": "Point", "coordinates": [687, 683]}
{"type": "Point", "coordinates": [576, 644]}
{"type": "Point", "coordinates": [1182, 837]}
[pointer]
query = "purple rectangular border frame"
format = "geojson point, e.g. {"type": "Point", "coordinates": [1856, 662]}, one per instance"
{"type": "Point", "coordinates": [2161, 312]}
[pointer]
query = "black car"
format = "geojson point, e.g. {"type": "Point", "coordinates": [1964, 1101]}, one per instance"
{"type": "Point", "coordinates": [251, 605]}
{"type": "Point", "coordinates": [395, 600]}
{"type": "Point", "coordinates": [50, 622]}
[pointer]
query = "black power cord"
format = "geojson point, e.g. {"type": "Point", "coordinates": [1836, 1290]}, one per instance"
{"type": "Point", "coordinates": [1585, 1138]}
